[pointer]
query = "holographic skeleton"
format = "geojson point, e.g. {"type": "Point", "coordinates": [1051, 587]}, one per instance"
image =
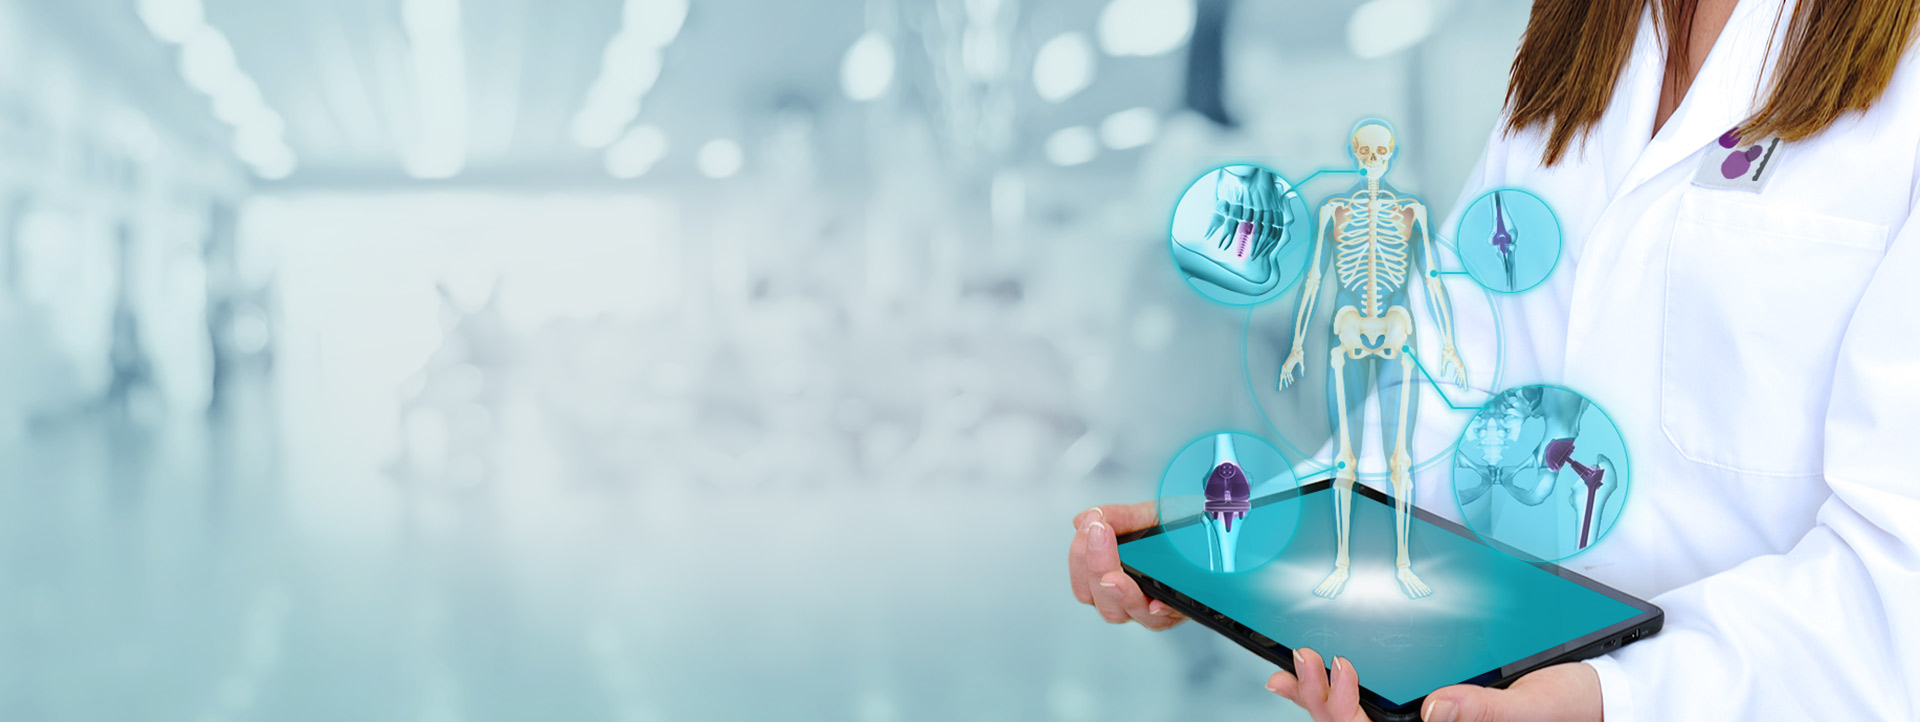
{"type": "Point", "coordinates": [1503, 239]}
{"type": "Point", "coordinates": [1532, 478]}
{"type": "Point", "coordinates": [1227, 493]}
{"type": "Point", "coordinates": [1252, 208]}
{"type": "Point", "coordinates": [1374, 231]}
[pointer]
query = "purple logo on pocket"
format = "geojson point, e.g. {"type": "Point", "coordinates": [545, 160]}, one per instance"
{"type": "Point", "coordinates": [1738, 162]}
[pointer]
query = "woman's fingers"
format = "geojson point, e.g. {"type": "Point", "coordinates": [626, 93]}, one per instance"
{"type": "Point", "coordinates": [1149, 613]}
{"type": "Point", "coordinates": [1159, 608]}
{"type": "Point", "coordinates": [1077, 565]}
{"type": "Point", "coordinates": [1327, 698]}
{"type": "Point", "coordinates": [1093, 566]}
{"type": "Point", "coordinates": [1127, 518]}
{"type": "Point", "coordinates": [1343, 700]}
{"type": "Point", "coordinates": [1312, 695]}
{"type": "Point", "coordinates": [1102, 557]}
{"type": "Point", "coordinates": [1283, 683]}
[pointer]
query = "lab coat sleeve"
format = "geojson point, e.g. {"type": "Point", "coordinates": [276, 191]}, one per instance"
{"type": "Point", "coordinates": [1831, 628]}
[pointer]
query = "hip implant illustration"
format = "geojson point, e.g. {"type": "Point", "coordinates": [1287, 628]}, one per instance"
{"type": "Point", "coordinates": [1373, 233]}
{"type": "Point", "coordinates": [1227, 494]}
{"type": "Point", "coordinates": [1551, 417]}
{"type": "Point", "coordinates": [1250, 217]}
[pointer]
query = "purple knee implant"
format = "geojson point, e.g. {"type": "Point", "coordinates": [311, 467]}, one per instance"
{"type": "Point", "coordinates": [1560, 453]}
{"type": "Point", "coordinates": [1227, 494]}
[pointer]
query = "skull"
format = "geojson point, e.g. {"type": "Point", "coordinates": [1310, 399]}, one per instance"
{"type": "Point", "coordinates": [1373, 147]}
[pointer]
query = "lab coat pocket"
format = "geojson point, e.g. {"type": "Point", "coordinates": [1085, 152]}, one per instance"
{"type": "Point", "coordinates": [1757, 301]}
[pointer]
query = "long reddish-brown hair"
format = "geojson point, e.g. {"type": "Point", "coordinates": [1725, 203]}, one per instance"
{"type": "Point", "coordinates": [1837, 58]}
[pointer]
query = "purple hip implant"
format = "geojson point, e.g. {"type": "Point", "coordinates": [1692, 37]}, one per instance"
{"type": "Point", "coordinates": [1560, 453]}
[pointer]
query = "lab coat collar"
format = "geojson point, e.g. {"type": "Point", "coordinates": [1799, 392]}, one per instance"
{"type": "Point", "coordinates": [1728, 90]}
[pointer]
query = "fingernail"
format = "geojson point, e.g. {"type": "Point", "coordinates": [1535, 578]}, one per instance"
{"type": "Point", "coordinates": [1442, 711]}
{"type": "Point", "coordinates": [1097, 537]}
{"type": "Point", "coordinates": [1297, 661]}
{"type": "Point", "coordinates": [1084, 518]}
{"type": "Point", "coordinates": [1270, 687]}
{"type": "Point", "coordinates": [1340, 668]}
{"type": "Point", "coordinates": [1156, 609]}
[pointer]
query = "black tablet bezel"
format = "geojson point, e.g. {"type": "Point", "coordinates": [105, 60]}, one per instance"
{"type": "Point", "coordinates": [1646, 621]}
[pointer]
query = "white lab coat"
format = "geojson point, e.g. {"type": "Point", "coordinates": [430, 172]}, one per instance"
{"type": "Point", "coordinates": [1760, 353]}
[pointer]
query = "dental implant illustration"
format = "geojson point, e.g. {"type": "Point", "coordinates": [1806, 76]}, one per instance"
{"type": "Point", "coordinates": [1227, 502]}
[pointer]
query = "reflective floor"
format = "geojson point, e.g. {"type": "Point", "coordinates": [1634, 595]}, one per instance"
{"type": "Point", "coordinates": [219, 569]}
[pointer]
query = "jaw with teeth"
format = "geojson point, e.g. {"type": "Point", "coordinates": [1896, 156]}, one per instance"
{"type": "Point", "coordinates": [1252, 209]}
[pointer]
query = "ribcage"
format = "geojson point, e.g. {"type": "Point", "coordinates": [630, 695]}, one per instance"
{"type": "Point", "coordinates": [1371, 255]}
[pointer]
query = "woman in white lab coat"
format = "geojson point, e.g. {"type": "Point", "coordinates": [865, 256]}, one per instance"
{"type": "Point", "coordinates": [1756, 339]}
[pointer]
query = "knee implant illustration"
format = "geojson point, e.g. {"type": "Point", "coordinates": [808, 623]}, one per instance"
{"type": "Point", "coordinates": [1227, 494]}
{"type": "Point", "coordinates": [1379, 239]}
{"type": "Point", "coordinates": [1249, 222]}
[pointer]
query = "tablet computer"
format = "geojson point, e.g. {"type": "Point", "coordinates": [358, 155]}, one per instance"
{"type": "Point", "coordinates": [1495, 612]}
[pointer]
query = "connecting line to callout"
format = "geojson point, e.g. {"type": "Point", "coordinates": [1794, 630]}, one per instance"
{"type": "Point", "coordinates": [1311, 176]}
{"type": "Point", "coordinates": [1408, 350]}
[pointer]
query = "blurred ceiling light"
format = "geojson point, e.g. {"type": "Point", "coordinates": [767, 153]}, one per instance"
{"type": "Point", "coordinates": [239, 101]}
{"type": "Point", "coordinates": [867, 68]}
{"type": "Point", "coordinates": [629, 68]}
{"type": "Point", "coordinates": [654, 23]}
{"type": "Point", "coordinates": [439, 146]}
{"type": "Point", "coordinates": [1145, 27]}
{"type": "Point", "coordinates": [207, 64]}
{"type": "Point", "coordinates": [719, 158]}
{"type": "Point", "coordinates": [256, 145]}
{"type": "Point", "coordinates": [279, 166]}
{"type": "Point", "coordinates": [265, 153]}
{"type": "Point", "coordinates": [1384, 27]}
{"type": "Point", "coordinates": [636, 152]}
{"type": "Point", "coordinates": [1071, 146]}
{"type": "Point", "coordinates": [206, 61]}
{"type": "Point", "coordinates": [599, 123]}
{"type": "Point", "coordinates": [171, 21]}
{"type": "Point", "coordinates": [628, 71]}
{"type": "Point", "coordinates": [1063, 67]}
{"type": "Point", "coordinates": [1130, 128]}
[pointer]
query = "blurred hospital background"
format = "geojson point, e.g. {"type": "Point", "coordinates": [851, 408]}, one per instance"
{"type": "Point", "coordinates": [642, 360]}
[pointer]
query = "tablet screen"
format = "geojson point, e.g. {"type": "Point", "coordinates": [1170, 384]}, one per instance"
{"type": "Point", "coordinates": [1487, 610]}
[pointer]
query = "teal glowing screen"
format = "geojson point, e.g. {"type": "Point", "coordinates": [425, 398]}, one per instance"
{"type": "Point", "coordinates": [1487, 610]}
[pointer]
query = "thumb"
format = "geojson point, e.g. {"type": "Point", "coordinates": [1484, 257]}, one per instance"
{"type": "Point", "coordinates": [1130, 517]}
{"type": "Point", "coordinates": [1467, 703]}
{"type": "Point", "coordinates": [1561, 693]}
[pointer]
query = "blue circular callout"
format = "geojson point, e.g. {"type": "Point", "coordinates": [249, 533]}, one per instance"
{"type": "Point", "coordinates": [1542, 471]}
{"type": "Point", "coordinates": [1241, 234]}
{"type": "Point", "coordinates": [1212, 501]}
{"type": "Point", "coordinates": [1508, 240]}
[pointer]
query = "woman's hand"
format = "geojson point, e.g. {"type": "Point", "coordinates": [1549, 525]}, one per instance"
{"type": "Point", "coordinates": [1561, 693]}
{"type": "Point", "coordinates": [1093, 565]}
